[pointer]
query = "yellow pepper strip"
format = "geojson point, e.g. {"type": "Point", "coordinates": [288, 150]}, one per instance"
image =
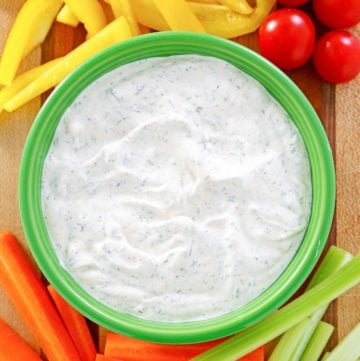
{"type": "Point", "coordinates": [116, 31]}
{"type": "Point", "coordinates": [178, 15]}
{"type": "Point", "coordinates": [23, 80]}
{"type": "Point", "coordinates": [124, 8]}
{"type": "Point", "coordinates": [146, 13]}
{"type": "Point", "coordinates": [239, 6]}
{"type": "Point", "coordinates": [217, 19]}
{"type": "Point", "coordinates": [90, 13]}
{"type": "Point", "coordinates": [206, 1]}
{"type": "Point", "coordinates": [67, 17]}
{"type": "Point", "coordinates": [144, 29]}
{"type": "Point", "coordinates": [221, 21]}
{"type": "Point", "coordinates": [30, 28]}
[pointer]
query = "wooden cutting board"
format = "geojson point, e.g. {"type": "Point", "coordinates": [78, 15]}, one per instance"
{"type": "Point", "coordinates": [338, 108]}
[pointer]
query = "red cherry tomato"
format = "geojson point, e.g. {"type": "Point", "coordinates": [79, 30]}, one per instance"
{"type": "Point", "coordinates": [292, 2]}
{"type": "Point", "coordinates": [337, 56]}
{"type": "Point", "coordinates": [287, 38]}
{"type": "Point", "coordinates": [337, 14]}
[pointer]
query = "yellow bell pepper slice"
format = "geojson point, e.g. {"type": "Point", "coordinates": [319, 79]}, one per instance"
{"type": "Point", "coordinates": [67, 17]}
{"type": "Point", "coordinates": [221, 21]}
{"type": "Point", "coordinates": [178, 15]}
{"type": "Point", "coordinates": [217, 19]}
{"type": "Point", "coordinates": [23, 80]}
{"type": "Point", "coordinates": [116, 31]}
{"type": "Point", "coordinates": [146, 13]}
{"type": "Point", "coordinates": [207, 1]}
{"type": "Point", "coordinates": [30, 28]}
{"type": "Point", "coordinates": [239, 6]}
{"type": "Point", "coordinates": [90, 13]}
{"type": "Point", "coordinates": [124, 8]}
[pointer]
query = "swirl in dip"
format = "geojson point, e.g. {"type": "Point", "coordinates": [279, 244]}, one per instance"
{"type": "Point", "coordinates": [176, 189]}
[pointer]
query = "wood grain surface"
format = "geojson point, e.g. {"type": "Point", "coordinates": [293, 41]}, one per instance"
{"type": "Point", "coordinates": [338, 108]}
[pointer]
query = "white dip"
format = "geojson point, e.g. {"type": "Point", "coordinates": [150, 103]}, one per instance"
{"type": "Point", "coordinates": [176, 189]}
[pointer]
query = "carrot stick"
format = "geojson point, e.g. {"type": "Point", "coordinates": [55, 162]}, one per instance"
{"type": "Point", "coordinates": [100, 357]}
{"type": "Point", "coordinates": [29, 295]}
{"type": "Point", "coordinates": [76, 325]}
{"type": "Point", "coordinates": [128, 349]}
{"type": "Point", "coordinates": [256, 355]}
{"type": "Point", "coordinates": [13, 347]}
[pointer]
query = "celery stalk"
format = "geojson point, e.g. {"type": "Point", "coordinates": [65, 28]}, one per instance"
{"type": "Point", "coordinates": [333, 260]}
{"type": "Point", "coordinates": [349, 348]}
{"type": "Point", "coordinates": [326, 356]}
{"type": "Point", "coordinates": [289, 342]}
{"type": "Point", "coordinates": [318, 342]}
{"type": "Point", "coordinates": [288, 316]}
{"type": "Point", "coordinates": [315, 318]}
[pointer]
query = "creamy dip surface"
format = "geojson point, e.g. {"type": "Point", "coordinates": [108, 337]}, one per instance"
{"type": "Point", "coordinates": [176, 189]}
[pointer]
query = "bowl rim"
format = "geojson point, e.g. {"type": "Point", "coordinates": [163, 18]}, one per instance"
{"type": "Point", "coordinates": [282, 89]}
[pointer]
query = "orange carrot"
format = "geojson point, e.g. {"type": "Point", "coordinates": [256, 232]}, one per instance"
{"type": "Point", "coordinates": [128, 349]}
{"type": "Point", "coordinates": [13, 347]}
{"type": "Point", "coordinates": [76, 325]}
{"type": "Point", "coordinates": [29, 295]}
{"type": "Point", "coordinates": [256, 355]}
{"type": "Point", "coordinates": [100, 357]}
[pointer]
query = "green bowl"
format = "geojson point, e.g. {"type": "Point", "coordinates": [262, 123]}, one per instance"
{"type": "Point", "coordinates": [287, 94]}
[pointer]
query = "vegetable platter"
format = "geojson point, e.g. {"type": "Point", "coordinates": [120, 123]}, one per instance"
{"type": "Point", "coordinates": [337, 106]}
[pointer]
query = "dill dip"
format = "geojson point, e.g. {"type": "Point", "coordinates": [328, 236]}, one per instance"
{"type": "Point", "coordinates": [176, 189]}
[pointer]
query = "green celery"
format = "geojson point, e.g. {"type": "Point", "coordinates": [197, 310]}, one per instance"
{"type": "Point", "coordinates": [333, 260]}
{"type": "Point", "coordinates": [315, 318]}
{"type": "Point", "coordinates": [288, 316]}
{"type": "Point", "coordinates": [318, 342]}
{"type": "Point", "coordinates": [349, 348]}
{"type": "Point", "coordinates": [326, 356]}
{"type": "Point", "coordinates": [289, 342]}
